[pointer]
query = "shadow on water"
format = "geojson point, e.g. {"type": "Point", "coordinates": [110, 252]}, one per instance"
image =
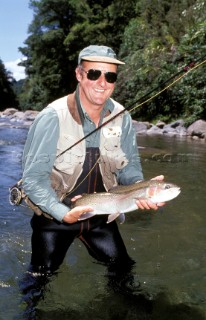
{"type": "Point", "coordinates": [168, 246]}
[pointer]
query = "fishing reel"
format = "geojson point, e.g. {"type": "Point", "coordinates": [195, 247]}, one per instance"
{"type": "Point", "coordinates": [15, 194]}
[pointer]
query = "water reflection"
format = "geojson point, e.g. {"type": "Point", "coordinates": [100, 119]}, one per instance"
{"type": "Point", "coordinates": [168, 246]}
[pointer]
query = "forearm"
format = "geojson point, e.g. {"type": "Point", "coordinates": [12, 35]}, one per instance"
{"type": "Point", "coordinates": [38, 159]}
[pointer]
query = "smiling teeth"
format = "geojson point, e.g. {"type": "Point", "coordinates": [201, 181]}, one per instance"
{"type": "Point", "coordinates": [99, 90]}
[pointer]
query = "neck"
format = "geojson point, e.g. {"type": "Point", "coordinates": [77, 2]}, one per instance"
{"type": "Point", "coordinates": [94, 115]}
{"type": "Point", "coordinates": [93, 110]}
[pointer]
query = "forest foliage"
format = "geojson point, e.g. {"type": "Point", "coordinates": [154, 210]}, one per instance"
{"type": "Point", "coordinates": [7, 95]}
{"type": "Point", "coordinates": [157, 40]}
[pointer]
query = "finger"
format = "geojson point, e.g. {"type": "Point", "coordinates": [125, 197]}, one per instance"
{"type": "Point", "coordinates": [142, 204]}
{"type": "Point", "coordinates": [81, 209]}
{"type": "Point", "coordinates": [159, 178]}
{"type": "Point", "coordinates": [75, 198]}
{"type": "Point", "coordinates": [146, 204]}
{"type": "Point", "coordinates": [84, 210]}
{"type": "Point", "coordinates": [160, 204]}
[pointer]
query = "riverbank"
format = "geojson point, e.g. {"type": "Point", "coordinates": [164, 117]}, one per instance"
{"type": "Point", "coordinates": [14, 118]}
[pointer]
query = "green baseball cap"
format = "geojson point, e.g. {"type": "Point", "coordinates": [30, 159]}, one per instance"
{"type": "Point", "coordinates": [98, 54]}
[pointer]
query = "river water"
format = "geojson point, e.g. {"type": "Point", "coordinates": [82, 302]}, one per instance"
{"type": "Point", "coordinates": [168, 246]}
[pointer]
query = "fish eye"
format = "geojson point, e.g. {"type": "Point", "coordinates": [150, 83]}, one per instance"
{"type": "Point", "coordinates": [167, 186]}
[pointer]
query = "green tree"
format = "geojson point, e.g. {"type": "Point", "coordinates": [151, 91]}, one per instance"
{"type": "Point", "coordinates": [192, 92]}
{"type": "Point", "coordinates": [101, 22]}
{"type": "Point", "coordinates": [154, 51]}
{"type": "Point", "coordinates": [7, 96]}
{"type": "Point", "coordinates": [59, 30]}
{"type": "Point", "coordinates": [50, 73]}
{"type": "Point", "coordinates": [155, 38]}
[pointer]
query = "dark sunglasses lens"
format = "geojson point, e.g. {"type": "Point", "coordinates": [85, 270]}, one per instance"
{"type": "Point", "coordinates": [111, 77]}
{"type": "Point", "coordinates": [93, 74]}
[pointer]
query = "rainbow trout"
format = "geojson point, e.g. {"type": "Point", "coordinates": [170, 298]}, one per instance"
{"type": "Point", "coordinates": [122, 199]}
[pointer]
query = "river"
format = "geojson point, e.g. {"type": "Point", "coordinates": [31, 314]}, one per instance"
{"type": "Point", "coordinates": [168, 246]}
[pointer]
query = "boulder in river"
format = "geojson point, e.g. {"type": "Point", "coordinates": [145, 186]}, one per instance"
{"type": "Point", "coordinates": [197, 129]}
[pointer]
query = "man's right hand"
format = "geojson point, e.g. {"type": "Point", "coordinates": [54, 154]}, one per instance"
{"type": "Point", "coordinates": [74, 214]}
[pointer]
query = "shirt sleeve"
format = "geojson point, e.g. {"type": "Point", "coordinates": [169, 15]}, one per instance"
{"type": "Point", "coordinates": [38, 160]}
{"type": "Point", "coordinates": [132, 172]}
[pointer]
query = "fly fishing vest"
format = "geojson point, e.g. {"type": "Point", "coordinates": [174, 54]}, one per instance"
{"type": "Point", "coordinates": [68, 166]}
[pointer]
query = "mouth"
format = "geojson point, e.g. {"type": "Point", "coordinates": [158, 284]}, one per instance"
{"type": "Point", "coordinates": [99, 90]}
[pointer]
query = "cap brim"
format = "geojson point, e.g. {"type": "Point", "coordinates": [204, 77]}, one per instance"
{"type": "Point", "coordinates": [102, 59]}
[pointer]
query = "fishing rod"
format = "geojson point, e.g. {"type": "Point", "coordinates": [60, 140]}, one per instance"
{"type": "Point", "coordinates": [178, 76]}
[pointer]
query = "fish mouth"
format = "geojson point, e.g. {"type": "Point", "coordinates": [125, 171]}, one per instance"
{"type": "Point", "coordinates": [176, 190]}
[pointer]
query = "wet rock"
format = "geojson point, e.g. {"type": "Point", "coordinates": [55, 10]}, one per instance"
{"type": "Point", "coordinates": [167, 129]}
{"type": "Point", "coordinates": [141, 127]}
{"type": "Point", "coordinates": [30, 115]}
{"type": "Point", "coordinates": [179, 123]}
{"type": "Point", "coordinates": [8, 112]}
{"type": "Point", "coordinates": [198, 129]}
{"type": "Point", "coordinates": [160, 124]}
{"type": "Point", "coordinates": [181, 131]}
{"type": "Point", "coordinates": [16, 118]}
{"type": "Point", "coordinates": [175, 128]}
{"type": "Point", "coordinates": [154, 130]}
{"type": "Point", "coordinates": [18, 115]}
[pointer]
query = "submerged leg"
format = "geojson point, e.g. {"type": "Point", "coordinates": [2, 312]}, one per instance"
{"type": "Point", "coordinates": [32, 286]}
{"type": "Point", "coordinates": [50, 242]}
{"type": "Point", "coordinates": [104, 243]}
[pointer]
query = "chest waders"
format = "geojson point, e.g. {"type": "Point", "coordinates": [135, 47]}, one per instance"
{"type": "Point", "coordinates": [51, 239]}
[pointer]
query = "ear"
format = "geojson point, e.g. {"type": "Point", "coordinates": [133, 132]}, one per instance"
{"type": "Point", "coordinates": [78, 74]}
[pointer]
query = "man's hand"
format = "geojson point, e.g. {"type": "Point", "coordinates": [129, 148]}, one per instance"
{"type": "Point", "coordinates": [74, 214]}
{"type": "Point", "coordinates": [146, 204]}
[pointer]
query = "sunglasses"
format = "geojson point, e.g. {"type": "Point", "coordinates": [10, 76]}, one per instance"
{"type": "Point", "coordinates": [93, 74]}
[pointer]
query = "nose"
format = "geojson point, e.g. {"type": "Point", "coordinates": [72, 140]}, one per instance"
{"type": "Point", "coordinates": [102, 81]}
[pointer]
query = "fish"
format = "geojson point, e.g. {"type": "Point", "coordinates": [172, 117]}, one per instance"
{"type": "Point", "coordinates": [122, 199]}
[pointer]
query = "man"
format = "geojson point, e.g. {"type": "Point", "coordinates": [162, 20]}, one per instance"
{"type": "Point", "coordinates": [59, 164]}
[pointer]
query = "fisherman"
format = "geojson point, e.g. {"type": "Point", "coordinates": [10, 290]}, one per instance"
{"type": "Point", "coordinates": [59, 164]}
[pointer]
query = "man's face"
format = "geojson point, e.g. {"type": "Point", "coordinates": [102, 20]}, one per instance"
{"type": "Point", "coordinates": [94, 93]}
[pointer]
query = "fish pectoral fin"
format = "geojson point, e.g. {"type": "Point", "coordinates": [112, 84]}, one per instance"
{"type": "Point", "coordinates": [86, 215]}
{"type": "Point", "coordinates": [121, 218]}
{"type": "Point", "coordinates": [113, 216]}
